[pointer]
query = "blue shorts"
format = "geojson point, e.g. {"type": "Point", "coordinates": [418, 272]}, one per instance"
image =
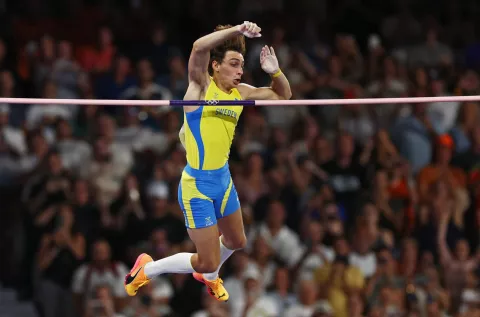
{"type": "Point", "coordinates": [205, 196]}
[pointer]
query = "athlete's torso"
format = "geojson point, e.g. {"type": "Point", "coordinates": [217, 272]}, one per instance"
{"type": "Point", "coordinates": [209, 130]}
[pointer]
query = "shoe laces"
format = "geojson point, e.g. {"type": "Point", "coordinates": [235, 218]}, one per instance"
{"type": "Point", "coordinates": [217, 283]}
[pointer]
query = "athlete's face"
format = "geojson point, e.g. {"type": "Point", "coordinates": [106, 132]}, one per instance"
{"type": "Point", "coordinates": [230, 71]}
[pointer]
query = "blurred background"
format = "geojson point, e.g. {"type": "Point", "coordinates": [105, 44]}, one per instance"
{"type": "Point", "coordinates": [350, 211]}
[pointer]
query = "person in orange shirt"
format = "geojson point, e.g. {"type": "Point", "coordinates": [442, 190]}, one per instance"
{"type": "Point", "coordinates": [100, 58]}
{"type": "Point", "coordinates": [441, 169]}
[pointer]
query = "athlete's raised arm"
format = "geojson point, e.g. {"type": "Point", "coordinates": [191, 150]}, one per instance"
{"type": "Point", "coordinates": [200, 55]}
{"type": "Point", "coordinates": [280, 87]}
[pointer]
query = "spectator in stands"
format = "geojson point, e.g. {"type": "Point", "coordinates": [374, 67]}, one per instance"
{"type": "Point", "coordinates": [262, 259]}
{"type": "Point", "coordinates": [346, 173]}
{"type": "Point", "coordinates": [146, 87]}
{"type": "Point", "coordinates": [441, 169]}
{"type": "Point", "coordinates": [44, 116]}
{"type": "Point", "coordinates": [467, 120]}
{"type": "Point", "coordinates": [66, 72]}
{"type": "Point", "coordinates": [337, 281]}
{"type": "Point", "coordinates": [256, 303]}
{"type": "Point", "coordinates": [235, 283]}
{"type": "Point", "coordinates": [252, 181]}
{"type": "Point", "coordinates": [306, 298]}
{"type": "Point", "coordinates": [8, 85]}
{"type": "Point", "coordinates": [106, 171]}
{"type": "Point", "coordinates": [281, 291]}
{"type": "Point", "coordinates": [178, 80]}
{"type": "Point", "coordinates": [131, 134]}
{"type": "Point", "coordinates": [355, 120]}
{"type": "Point", "coordinates": [84, 124]}
{"type": "Point", "coordinates": [13, 137]}
{"type": "Point", "coordinates": [411, 135]}
{"type": "Point", "coordinates": [87, 214]}
{"type": "Point", "coordinates": [355, 306]}
{"type": "Point", "coordinates": [211, 308]}
{"type": "Point", "coordinates": [159, 51]}
{"type": "Point", "coordinates": [100, 58]}
{"type": "Point", "coordinates": [74, 152]}
{"type": "Point", "coordinates": [362, 256]}
{"type": "Point", "coordinates": [160, 216]}
{"type": "Point", "coordinates": [101, 271]}
{"type": "Point", "coordinates": [317, 254]}
{"type": "Point", "coordinates": [385, 287]}
{"type": "Point", "coordinates": [59, 254]}
{"type": "Point", "coordinates": [431, 53]}
{"type": "Point", "coordinates": [458, 266]}
{"type": "Point", "coordinates": [102, 305]}
{"type": "Point", "coordinates": [112, 85]}
{"type": "Point", "coordinates": [48, 186]}
{"type": "Point", "coordinates": [283, 241]}
{"type": "Point", "coordinates": [43, 62]}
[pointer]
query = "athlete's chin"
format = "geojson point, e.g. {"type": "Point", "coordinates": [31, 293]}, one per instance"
{"type": "Point", "coordinates": [236, 82]}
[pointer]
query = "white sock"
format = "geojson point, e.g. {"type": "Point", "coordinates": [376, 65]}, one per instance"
{"type": "Point", "coordinates": [178, 263]}
{"type": "Point", "coordinates": [225, 253]}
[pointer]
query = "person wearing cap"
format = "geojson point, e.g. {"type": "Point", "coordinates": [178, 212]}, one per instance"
{"type": "Point", "coordinates": [440, 169]}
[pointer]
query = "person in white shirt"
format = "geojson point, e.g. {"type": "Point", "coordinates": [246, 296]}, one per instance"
{"type": "Point", "coordinates": [102, 304]}
{"type": "Point", "coordinates": [307, 297]}
{"type": "Point", "coordinates": [363, 257]}
{"type": "Point", "coordinates": [443, 113]}
{"type": "Point", "coordinates": [40, 114]}
{"type": "Point", "coordinates": [256, 303]}
{"type": "Point", "coordinates": [235, 283]}
{"type": "Point", "coordinates": [283, 241]}
{"type": "Point", "coordinates": [102, 271]}
{"type": "Point", "coordinates": [262, 258]}
{"type": "Point", "coordinates": [281, 293]}
{"type": "Point", "coordinates": [74, 153]}
{"type": "Point", "coordinates": [317, 253]}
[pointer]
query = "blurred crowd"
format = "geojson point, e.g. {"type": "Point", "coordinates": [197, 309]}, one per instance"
{"type": "Point", "coordinates": [350, 211]}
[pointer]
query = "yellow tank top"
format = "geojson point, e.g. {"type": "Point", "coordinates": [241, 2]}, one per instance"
{"type": "Point", "coordinates": [209, 130]}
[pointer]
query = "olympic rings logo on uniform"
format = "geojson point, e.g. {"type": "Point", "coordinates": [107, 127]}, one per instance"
{"type": "Point", "coordinates": [211, 102]}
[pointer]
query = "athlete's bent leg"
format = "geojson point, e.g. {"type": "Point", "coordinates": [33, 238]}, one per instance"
{"type": "Point", "coordinates": [233, 232]}
{"type": "Point", "coordinates": [233, 238]}
{"type": "Point", "coordinates": [206, 259]}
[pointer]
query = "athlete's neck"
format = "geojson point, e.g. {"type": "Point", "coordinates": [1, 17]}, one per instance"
{"type": "Point", "coordinates": [223, 87]}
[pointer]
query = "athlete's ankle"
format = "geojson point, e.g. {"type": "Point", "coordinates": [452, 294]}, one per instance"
{"type": "Point", "coordinates": [210, 276]}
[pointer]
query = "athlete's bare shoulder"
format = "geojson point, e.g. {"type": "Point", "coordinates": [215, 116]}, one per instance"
{"type": "Point", "coordinates": [245, 89]}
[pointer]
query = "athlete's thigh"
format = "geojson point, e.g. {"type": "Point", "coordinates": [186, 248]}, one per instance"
{"type": "Point", "coordinates": [226, 201]}
{"type": "Point", "coordinates": [230, 220]}
{"type": "Point", "coordinates": [206, 243]}
{"type": "Point", "coordinates": [197, 208]}
{"type": "Point", "coordinates": [232, 229]}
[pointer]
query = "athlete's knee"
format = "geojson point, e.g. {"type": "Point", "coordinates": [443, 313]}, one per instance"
{"type": "Point", "coordinates": [207, 265]}
{"type": "Point", "coordinates": [235, 243]}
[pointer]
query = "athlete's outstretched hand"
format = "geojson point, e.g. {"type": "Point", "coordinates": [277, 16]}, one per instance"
{"type": "Point", "coordinates": [249, 29]}
{"type": "Point", "coordinates": [268, 60]}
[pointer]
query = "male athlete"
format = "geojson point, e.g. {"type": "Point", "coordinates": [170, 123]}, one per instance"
{"type": "Point", "coordinates": [206, 193]}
